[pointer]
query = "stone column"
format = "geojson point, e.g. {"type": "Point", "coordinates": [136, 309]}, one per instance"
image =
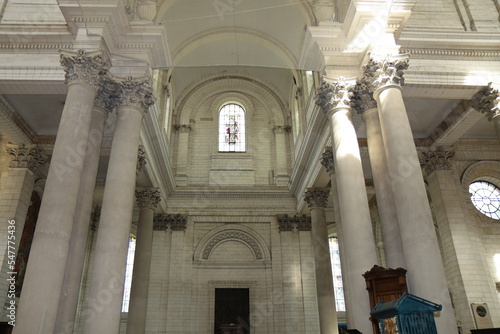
{"type": "Point", "coordinates": [16, 190]}
{"type": "Point", "coordinates": [487, 101]}
{"type": "Point", "coordinates": [359, 242]}
{"type": "Point", "coordinates": [327, 160]}
{"type": "Point", "coordinates": [68, 302]}
{"type": "Point", "coordinates": [42, 286]}
{"type": "Point", "coordinates": [147, 200]}
{"type": "Point", "coordinates": [426, 278]}
{"type": "Point", "coordinates": [365, 105]}
{"type": "Point", "coordinates": [316, 200]}
{"type": "Point", "coordinates": [105, 299]}
{"type": "Point", "coordinates": [281, 176]}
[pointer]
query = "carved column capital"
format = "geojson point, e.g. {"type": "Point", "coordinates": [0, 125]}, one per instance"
{"type": "Point", "coordinates": [141, 160]}
{"type": "Point", "coordinates": [316, 197]}
{"type": "Point", "coordinates": [136, 93]}
{"type": "Point", "coordinates": [148, 198]}
{"type": "Point", "coordinates": [107, 96]}
{"type": "Point", "coordinates": [362, 96]}
{"type": "Point", "coordinates": [30, 157]}
{"type": "Point", "coordinates": [334, 94]}
{"type": "Point", "coordinates": [327, 160]}
{"type": "Point", "coordinates": [435, 159]}
{"type": "Point", "coordinates": [487, 101]}
{"type": "Point", "coordinates": [84, 67]}
{"type": "Point", "coordinates": [281, 128]}
{"type": "Point", "coordinates": [182, 127]}
{"type": "Point", "coordinates": [174, 222]}
{"type": "Point", "coordinates": [295, 223]}
{"type": "Point", "coordinates": [384, 70]}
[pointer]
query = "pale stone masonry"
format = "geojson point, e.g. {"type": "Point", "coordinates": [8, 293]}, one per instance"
{"type": "Point", "coordinates": [364, 120]}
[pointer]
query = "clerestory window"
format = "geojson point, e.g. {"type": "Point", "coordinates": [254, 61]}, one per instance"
{"type": "Point", "coordinates": [486, 198]}
{"type": "Point", "coordinates": [232, 128]}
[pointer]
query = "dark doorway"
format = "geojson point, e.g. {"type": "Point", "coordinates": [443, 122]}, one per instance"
{"type": "Point", "coordinates": [232, 311]}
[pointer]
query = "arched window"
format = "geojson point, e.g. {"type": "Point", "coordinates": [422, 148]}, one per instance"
{"type": "Point", "coordinates": [232, 128]}
{"type": "Point", "coordinates": [486, 198]}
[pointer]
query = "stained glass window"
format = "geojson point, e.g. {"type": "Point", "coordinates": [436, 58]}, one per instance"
{"type": "Point", "coordinates": [128, 274]}
{"type": "Point", "coordinates": [486, 198]}
{"type": "Point", "coordinates": [232, 128]}
{"type": "Point", "coordinates": [337, 274]}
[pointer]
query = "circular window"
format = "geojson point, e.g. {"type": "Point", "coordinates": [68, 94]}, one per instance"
{"type": "Point", "coordinates": [486, 198]}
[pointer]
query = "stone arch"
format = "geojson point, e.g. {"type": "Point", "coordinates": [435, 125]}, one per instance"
{"type": "Point", "coordinates": [232, 232]}
{"type": "Point", "coordinates": [483, 170]}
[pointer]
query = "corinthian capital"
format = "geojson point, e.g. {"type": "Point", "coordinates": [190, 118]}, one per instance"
{"type": "Point", "coordinates": [147, 198]}
{"type": "Point", "coordinates": [362, 96]}
{"type": "Point", "coordinates": [107, 95]}
{"type": "Point", "coordinates": [141, 160]}
{"type": "Point", "coordinates": [83, 67]}
{"type": "Point", "coordinates": [295, 223]}
{"type": "Point", "coordinates": [435, 159]}
{"type": "Point", "coordinates": [334, 94]}
{"type": "Point", "coordinates": [327, 160]}
{"type": "Point", "coordinates": [174, 222]}
{"type": "Point", "coordinates": [26, 157]}
{"type": "Point", "coordinates": [136, 93]}
{"type": "Point", "coordinates": [385, 70]}
{"type": "Point", "coordinates": [487, 101]}
{"type": "Point", "coordinates": [316, 197]}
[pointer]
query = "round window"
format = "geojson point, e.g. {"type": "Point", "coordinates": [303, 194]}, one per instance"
{"type": "Point", "coordinates": [486, 198]}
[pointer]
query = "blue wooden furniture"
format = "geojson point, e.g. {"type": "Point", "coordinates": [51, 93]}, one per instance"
{"type": "Point", "coordinates": [407, 315]}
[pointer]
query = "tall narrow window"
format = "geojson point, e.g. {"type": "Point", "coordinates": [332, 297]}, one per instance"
{"type": "Point", "coordinates": [232, 128]}
{"type": "Point", "coordinates": [337, 274]}
{"type": "Point", "coordinates": [128, 274]}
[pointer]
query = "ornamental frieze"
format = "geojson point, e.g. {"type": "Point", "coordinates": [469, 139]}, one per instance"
{"type": "Point", "coordinates": [174, 222]}
{"type": "Point", "coordinates": [295, 223]}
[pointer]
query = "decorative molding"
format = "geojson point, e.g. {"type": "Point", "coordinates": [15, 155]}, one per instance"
{"type": "Point", "coordinates": [30, 157]}
{"type": "Point", "coordinates": [173, 222]}
{"type": "Point", "coordinates": [182, 127]}
{"type": "Point", "coordinates": [82, 67]}
{"type": "Point", "coordinates": [141, 160]}
{"type": "Point", "coordinates": [96, 216]}
{"type": "Point", "coordinates": [148, 198]}
{"type": "Point", "coordinates": [362, 96]}
{"type": "Point", "coordinates": [454, 53]}
{"type": "Point", "coordinates": [295, 223]}
{"type": "Point", "coordinates": [435, 159]}
{"type": "Point", "coordinates": [107, 95]}
{"type": "Point", "coordinates": [487, 101]}
{"type": "Point", "coordinates": [317, 197]}
{"type": "Point", "coordinates": [136, 93]}
{"type": "Point", "coordinates": [298, 92]}
{"type": "Point", "coordinates": [232, 235]}
{"type": "Point", "coordinates": [383, 70]}
{"type": "Point", "coordinates": [282, 129]}
{"type": "Point", "coordinates": [328, 160]}
{"type": "Point", "coordinates": [334, 94]}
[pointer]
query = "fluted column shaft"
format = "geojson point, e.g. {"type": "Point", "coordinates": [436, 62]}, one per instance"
{"type": "Point", "coordinates": [360, 249]}
{"type": "Point", "coordinates": [45, 272]}
{"type": "Point", "coordinates": [147, 200]}
{"type": "Point", "coordinates": [327, 161]}
{"type": "Point", "coordinates": [385, 201]}
{"type": "Point", "coordinates": [68, 302]}
{"type": "Point", "coordinates": [316, 200]}
{"type": "Point", "coordinates": [105, 300]}
{"type": "Point", "coordinates": [426, 278]}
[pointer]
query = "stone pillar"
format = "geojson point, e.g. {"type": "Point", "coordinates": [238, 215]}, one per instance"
{"type": "Point", "coordinates": [359, 242]}
{"type": "Point", "coordinates": [487, 101]}
{"type": "Point", "coordinates": [16, 190]}
{"type": "Point", "coordinates": [68, 302]}
{"type": "Point", "coordinates": [327, 160]}
{"type": "Point", "coordinates": [42, 286]}
{"type": "Point", "coordinates": [281, 176]}
{"type": "Point", "coordinates": [367, 107]}
{"type": "Point", "coordinates": [316, 200]}
{"type": "Point", "coordinates": [426, 278]}
{"type": "Point", "coordinates": [105, 299]}
{"type": "Point", "coordinates": [147, 200]}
